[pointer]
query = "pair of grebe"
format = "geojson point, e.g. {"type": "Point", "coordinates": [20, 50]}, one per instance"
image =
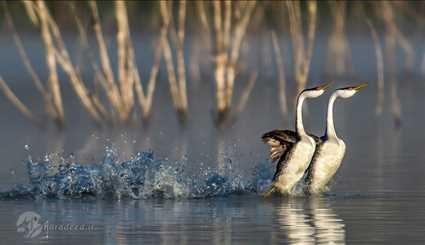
{"type": "Point", "coordinates": [301, 154]}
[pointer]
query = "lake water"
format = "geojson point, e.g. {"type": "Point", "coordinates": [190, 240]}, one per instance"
{"type": "Point", "coordinates": [377, 196]}
{"type": "Point", "coordinates": [248, 219]}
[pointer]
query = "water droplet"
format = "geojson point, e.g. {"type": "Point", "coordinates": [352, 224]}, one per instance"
{"type": "Point", "coordinates": [27, 147]}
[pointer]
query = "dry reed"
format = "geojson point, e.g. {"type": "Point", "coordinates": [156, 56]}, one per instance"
{"type": "Point", "coordinates": [177, 82]}
{"type": "Point", "coordinates": [16, 102]}
{"type": "Point", "coordinates": [51, 62]}
{"type": "Point", "coordinates": [379, 68]}
{"type": "Point", "coordinates": [246, 92]}
{"type": "Point", "coordinates": [23, 54]}
{"type": "Point", "coordinates": [337, 60]}
{"type": "Point", "coordinates": [224, 31]}
{"type": "Point", "coordinates": [57, 53]}
{"type": "Point", "coordinates": [205, 22]}
{"type": "Point", "coordinates": [227, 48]}
{"type": "Point", "coordinates": [385, 10]}
{"type": "Point", "coordinates": [302, 45]}
{"type": "Point", "coordinates": [121, 94]}
{"type": "Point", "coordinates": [28, 66]}
{"type": "Point", "coordinates": [281, 74]}
{"type": "Point", "coordinates": [239, 34]}
{"type": "Point", "coordinates": [108, 82]}
{"type": "Point", "coordinates": [392, 37]}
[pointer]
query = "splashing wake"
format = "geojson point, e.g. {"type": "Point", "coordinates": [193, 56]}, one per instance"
{"type": "Point", "coordinates": [141, 177]}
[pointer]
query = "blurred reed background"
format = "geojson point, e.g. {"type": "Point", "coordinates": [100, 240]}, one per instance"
{"type": "Point", "coordinates": [233, 45]}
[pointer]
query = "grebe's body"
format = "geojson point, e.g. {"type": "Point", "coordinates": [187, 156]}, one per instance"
{"type": "Point", "coordinates": [330, 152]}
{"type": "Point", "coordinates": [293, 149]}
{"type": "Point", "coordinates": [325, 163]}
{"type": "Point", "coordinates": [292, 167]}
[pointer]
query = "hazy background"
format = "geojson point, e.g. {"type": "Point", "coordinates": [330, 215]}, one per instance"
{"type": "Point", "coordinates": [201, 137]}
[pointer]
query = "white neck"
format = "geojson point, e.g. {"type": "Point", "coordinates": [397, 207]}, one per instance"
{"type": "Point", "coordinates": [299, 115]}
{"type": "Point", "coordinates": [330, 130]}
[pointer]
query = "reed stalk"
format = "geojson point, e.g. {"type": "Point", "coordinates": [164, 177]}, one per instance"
{"type": "Point", "coordinates": [181, 70]}
{"type": "Point", "coordinates": [221, 60]}
{"type": "Point", "coordinates": [239, 34]}
{"type": "Point", "coordinates": [386, 12]}
{"type": "Point", "coordinates": [121, 94]}
{"type": "Point", "coordinates": [16, 102]}
{"type": "Point", "coordinates": [302, 45]}
{"type": "Point", "coordinates": [145, 100]}
{"type": "Point", "coordinates": [229, 36]}
{"type": "Point", "coordinates": [337, 45]}
{"type": "Point", "coordinates": [28, 66]}
{"type": "Point", "coordinates": [125, 78]}
{"type": "Point", "coordinates": [172, 79]}
{"type": "Point", "coordinates": [204, 20]}
{"type": "Point", "coordinates": [29, 8]}
{"type": "Point", "coordinates": [379, 68]}
{"type": "Point", "coordinates": [108, 83]}
{"type": "Point", "coordinates": [83, 39]}
{"type": "Point", "coordinates": [178, 88]}
{"type": "Point", "coordinates": [246, 92]}
{"type": "Point", "coordinates": [281, 74]}
{"type": "Point", "coordinates": [51, 62]}
{"type": "Point", "coordinates": [22, 53]}
{"type": "Point", "coordinates": [203, 45]}
{"type": "Point", "coordinates": [392, 37]}
{"type": "Point", "coordinates": [62, 57]}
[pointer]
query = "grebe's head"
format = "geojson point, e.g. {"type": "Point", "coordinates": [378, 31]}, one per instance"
{"type": "Point", "coordinates": [316, 91]}
{"type": "Point", "coordinates": [347, 92]}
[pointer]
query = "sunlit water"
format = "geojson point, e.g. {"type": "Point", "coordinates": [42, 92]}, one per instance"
{"type": "Point", "coordinates": [167, 183]}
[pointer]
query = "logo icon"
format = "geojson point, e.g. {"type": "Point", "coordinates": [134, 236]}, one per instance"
{"type": "Point", "coordinates": [29, 223]}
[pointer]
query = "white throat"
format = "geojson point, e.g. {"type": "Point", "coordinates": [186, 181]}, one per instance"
{"type": "Point", "coordinates": [330, 129]}
{"type": "Point", "coordinates": [299, 115]}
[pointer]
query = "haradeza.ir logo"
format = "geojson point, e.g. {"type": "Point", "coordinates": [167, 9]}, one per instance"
{"type": "Point", "coordinates": [32, 226]}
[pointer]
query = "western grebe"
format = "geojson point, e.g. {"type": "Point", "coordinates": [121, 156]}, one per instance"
{"type": "Point", "coordinates": [331, 149]}
{"type": "Point", "coordinates": [293, 149]}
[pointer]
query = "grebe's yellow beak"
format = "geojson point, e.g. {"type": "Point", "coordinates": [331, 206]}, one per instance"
{"type": "Point", "coordinates": [360, 87]}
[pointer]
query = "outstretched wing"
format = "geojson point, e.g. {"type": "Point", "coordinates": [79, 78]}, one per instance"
{"type": "Point", "coordinates": [280, 142]}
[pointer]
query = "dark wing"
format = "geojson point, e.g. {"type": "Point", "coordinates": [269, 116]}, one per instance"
{"type": "Point", "coordinates": [280, 142]}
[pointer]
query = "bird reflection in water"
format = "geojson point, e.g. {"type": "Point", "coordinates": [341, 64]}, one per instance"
{"type": "Point", "coordinates": [310, 221]}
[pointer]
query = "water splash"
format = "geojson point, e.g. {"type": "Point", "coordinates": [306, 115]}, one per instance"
{"type": "Point", "coordinates": [143, 176]}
